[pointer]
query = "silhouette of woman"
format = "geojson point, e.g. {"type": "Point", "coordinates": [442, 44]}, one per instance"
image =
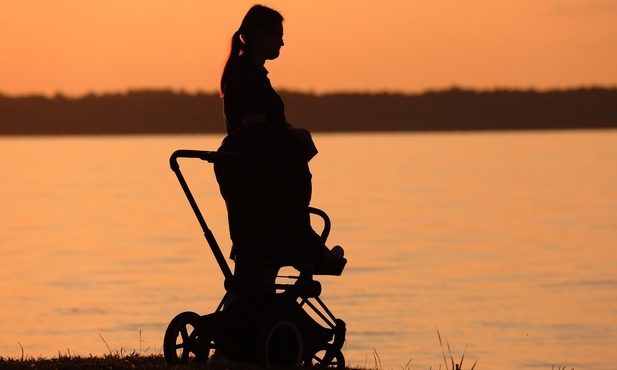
{"type": "Point", "coordinates": [257, 127]}
{"type": "Point", "coordinates": [248, 95]}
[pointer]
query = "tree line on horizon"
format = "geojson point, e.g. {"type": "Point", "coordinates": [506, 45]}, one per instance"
{"type": "Point", "coordinates": [169, 112]}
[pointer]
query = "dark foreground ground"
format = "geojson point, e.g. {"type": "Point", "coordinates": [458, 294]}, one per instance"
{"type": "Point", "coordinates": [136, 362]}
{"type": "Point", "coordinates": [115, 362]}
{"type": "Point", "coordinates": [87, 363]}
{"type": "Point", "coordinates": [154, 362]}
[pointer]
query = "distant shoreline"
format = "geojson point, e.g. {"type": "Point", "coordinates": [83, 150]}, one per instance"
{"type": "Point", "coordinates": [169, 112]}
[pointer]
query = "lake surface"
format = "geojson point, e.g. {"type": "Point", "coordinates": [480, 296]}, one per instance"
{"type": "Point", "coordinates": [505, 242]}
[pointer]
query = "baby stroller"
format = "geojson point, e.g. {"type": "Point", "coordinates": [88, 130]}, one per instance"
{"type": "Point", "coordinates": [288, 326]}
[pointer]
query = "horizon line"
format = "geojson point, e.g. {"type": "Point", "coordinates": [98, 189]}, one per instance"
{"type": "Point", "coordinates": [182, 91]}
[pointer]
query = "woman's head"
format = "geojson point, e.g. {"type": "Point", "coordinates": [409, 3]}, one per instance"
{"type": "Point", "coordinates": [259, 19]}
{"type": "Point", "coordinates": [260, 36]}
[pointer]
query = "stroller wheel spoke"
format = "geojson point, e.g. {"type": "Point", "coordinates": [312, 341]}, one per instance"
{"type": "Point", "coordinates": [185, 356]}
{"type": "Point", "coordinates": [184, 334]}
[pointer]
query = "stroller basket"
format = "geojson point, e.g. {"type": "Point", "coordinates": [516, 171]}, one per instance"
{"type": "Point", "coordinates": [275, 329]}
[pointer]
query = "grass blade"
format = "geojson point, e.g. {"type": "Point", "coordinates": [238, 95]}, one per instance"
{"type": "Point", "coordinates": [442, 351]}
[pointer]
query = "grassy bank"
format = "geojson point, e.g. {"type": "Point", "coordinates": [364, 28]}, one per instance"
{"type": "Point", "coordinates": [115, 362]}
{"type": "Point", "coordinates": [138, 362]}
{"type": "Point", "coordinates": [66, 362]}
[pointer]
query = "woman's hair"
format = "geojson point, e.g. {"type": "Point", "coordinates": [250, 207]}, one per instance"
{"type": "Point", "coordinates": [258, 16]}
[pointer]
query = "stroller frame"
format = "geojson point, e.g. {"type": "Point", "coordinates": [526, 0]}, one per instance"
{"type": "Point", "coordinates": [289, 336]}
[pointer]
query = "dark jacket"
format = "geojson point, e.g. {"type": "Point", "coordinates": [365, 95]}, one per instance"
{"type": "Point", "coordinates": [267, 194]}
{"type": "Point", "coordinates": [248, 90]}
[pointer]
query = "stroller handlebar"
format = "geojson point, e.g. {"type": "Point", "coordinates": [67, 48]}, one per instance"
{"type": "Point", "coordinates": [204, 155]}
{"type": "Point", "coordinates": [190, 153]}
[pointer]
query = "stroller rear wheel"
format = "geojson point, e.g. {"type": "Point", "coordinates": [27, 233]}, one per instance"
{"type": "Point", "coordinates": [183, 342]}
{"type": "Point", "coordinates": [282, 344]}
{"type": "Point", "coordinates": [329, 357]}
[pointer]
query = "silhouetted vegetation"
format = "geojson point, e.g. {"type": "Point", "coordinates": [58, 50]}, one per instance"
{"type": "Point", "coordinates": [165, 111]}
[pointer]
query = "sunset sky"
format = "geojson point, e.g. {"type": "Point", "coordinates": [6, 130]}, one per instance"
{"type": "Point", "coordinates": [77, 46]}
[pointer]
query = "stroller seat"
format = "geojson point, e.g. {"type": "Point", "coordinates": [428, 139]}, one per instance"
{"type": "Point", "coordinates": [266, 183]}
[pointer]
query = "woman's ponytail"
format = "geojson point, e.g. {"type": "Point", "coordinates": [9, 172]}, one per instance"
{"type": "Point", "coordinates": [236, 48]}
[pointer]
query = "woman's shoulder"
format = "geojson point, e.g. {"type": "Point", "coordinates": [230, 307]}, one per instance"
{"type": "Point", "coordinates": [244, 83]}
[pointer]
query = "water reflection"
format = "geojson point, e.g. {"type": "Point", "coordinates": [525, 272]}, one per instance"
{"type": "Point", "coordinates": [504, 241]}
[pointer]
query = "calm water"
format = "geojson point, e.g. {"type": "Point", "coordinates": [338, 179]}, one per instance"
{"type": "Point", "coordinates": [503, 241]}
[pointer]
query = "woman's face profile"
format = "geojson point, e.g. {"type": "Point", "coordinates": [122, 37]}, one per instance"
{"type": "Point", "coordinates": [271, 41]}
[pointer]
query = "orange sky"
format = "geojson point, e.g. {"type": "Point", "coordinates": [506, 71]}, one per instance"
{"type": "Point", "coordinates": [77, 46]}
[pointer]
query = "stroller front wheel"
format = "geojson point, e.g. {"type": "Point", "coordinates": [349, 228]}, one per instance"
{"type": "Point", "coordinates": [183, 341]}
{"type": "Point", "coordinates": [330, 357]}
